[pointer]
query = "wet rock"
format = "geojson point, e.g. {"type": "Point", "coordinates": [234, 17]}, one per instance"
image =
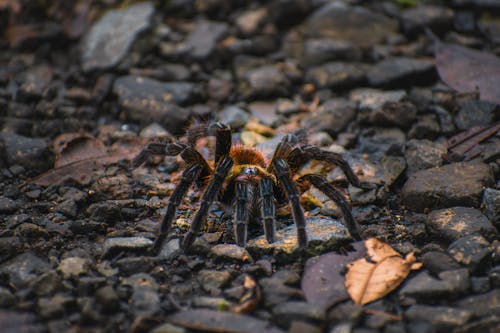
{"type": "Point", "coordinates": [435, 18]}
{"type": "Point", "coordinates": [482, 305]}
{"type": "Point", "coordinates": [322, 233]}
{"type": "Point", "coordinates": [449, 285]}
{"type": "Point", "coordinates": [146, 99]}
{"type": "Point", "coordinates": [109, 40]}
{"type": "Point", "coordinates": [337, 75]}
{"type": "Point", "coordinates": [400, 71]}
{"type": "Point", "coordinates": [202, 41]}
{"type": "Point", "coordinates": [472, 251]}
{"type": "Point", "coordinates": [443, 318]}
{"type": "Point", "coordinates": [476, 113]}
{"type": "Point", "coordinates": [7, 205]}
{"type": "Point", "coordinates": [278, 288]}
{"type": "Point", "coordinates": [453, 184]}
{"type": "Point", "coordinates": [170, 249]}
{"type": "Point", "coordinates": [35, 82]}
{"type": "Point", "coordinates": [285, 313]}
{"type": "Point", "coordinates": [145, 300]}
{"type": "Point", "coordinates": [55, 306]}
{"type": "Point", "coordinates": [127, 244]}
{"type": "Point", "coordinates": [234, 116]}
{"type": "Point", "coordinates": [338, 21]}
{"type": "Point", "coordinates": [211, 281]}
{"type": "Point", "coordinates": [23, 269]}
{"type": "Point", "coordinates": [332, 116]}
{"type": "Point", "coordinates": [31, 153]}
{"type": "Point", "coordinates": [6, 298]}
{"type": "Point", "coordinates": [108, 299]}
{"type": "Point", "coordinates": [379, 139]}
{"type": "Point", "coordinates": [74, 267]}
{"type": "Point", "coordinates": [491, 201]}
{"type": "Point", "coordinates": [423, 154]}
{"type": "Point", "coordinates": [372, 99]}
{"type": "Point", "coordinates": [264, 81]}
{"type": "Point", "coordinates": [451, 224]}
{"type": "Point", "coordinates": [438, 261]}
{"type": "Point", "coordinates": [231, 252]}
{"type": "Point", "coordinates": [400, 114]}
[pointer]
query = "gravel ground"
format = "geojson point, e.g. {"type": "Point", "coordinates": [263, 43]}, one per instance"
{"type": "Point", "coordinates": [84, 86]}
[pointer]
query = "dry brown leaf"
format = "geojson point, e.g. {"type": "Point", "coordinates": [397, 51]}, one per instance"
{"type": "Point", "coordinates": [73, 147]}
{"type": "Point", "coordinates": [250, 298]}
{"type": "Point", "coordinates": [369, 279]}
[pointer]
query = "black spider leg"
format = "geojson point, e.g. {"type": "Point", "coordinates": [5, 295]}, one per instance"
{"type": "Point", "coordinates": [283, 174]}
{"type": "Point", "coordinates": [268, 209]}
{"type": "Point", "coordinates": [188, 176]}
{"type": "Point", "coordinates": [241, 213]}
{"type": "Point", "coordinates": [318, 154]}
{"type": "Point", "coordinates": [322, 184]}
{"type": "Point", "coordinates": [210, 194]}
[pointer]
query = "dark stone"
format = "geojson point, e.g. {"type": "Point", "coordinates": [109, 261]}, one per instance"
{"type": "Point", "coordinates": [449, 285]}
{"type": "Point", "coordinates": [426, 127]}
{"type": "Point", "coordinates": [446, 186]}
{"type": "Point", "coordinates": [147, 100]}
{"type": "Point", "coordinates": [133, 265]}
{"type": "Point", "coordinates": [398, 72]}
{"type": "Point", "coordinates": [234, 116]}
{"type": "Point", "coordinates": [35, 82]}
{"type": "Point", "coordinates": [480, 284]}
{"type": "Point", "coordinates": [108, 299]}
{"type": "Point", "coordinates": [491, 201]}
{"type": "Point", "coordinates": [437, 262]}
{"type": "Point", "coordinates": [31, 153]}
{"type": "Point", "coordinates": [265, 81]}
{"type": "Point", "coordinates": [279, 288]}
{"type": "Point", "coordinates": [472, 251]}
{"type": "Point", "coordinates": [337, 75]}
{"type": "Point", "coordinates": [482, 305]}
{"type": "Point", "coordinates": [201, 43]}
{"type": "Point", "coordinates": [370, 99]}
{"type": "Point", "coordinates": [285, 313]}
{"type": "Point", "coordinates": [423, 154]}
{"type": "Point", "coordinates": [443, 318]}
{"type": "Point", "coordinates": [145, 300]}
{"type": "Point", "coordinates": [9, 247]}
{"type": "Point", "coordinates": [315, 51]}
{"type": "Point", "coordinates": [400, 114]}
{"type": "Point", "coordinates": [127, 244]}
{"type": "Point", "coordinates": [212, 281]}
{"type": "Point", "coordinates": [380, 139]}
{"type": "Point", "coordinates": [332, 116]}
{"type": "Point", "coordinates": [109, 40]}
{"type": "Point", "coordinates": [23, 269]}
{"type": "Point", "coordinates": [435, 18]}
{"type": "Point", "coordinates": [7, 299]}
{"type": "Point", "coordinates": [8, 206]}
{"type": "Point", "coordinates": [55, 306]}
{"type": "Point", "coordinates": [453, 223]}
{"type": "Point", "coordinates": [476, 113]}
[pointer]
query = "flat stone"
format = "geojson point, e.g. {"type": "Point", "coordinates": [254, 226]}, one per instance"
{"type": "Point", "coordinates": [380, 139]}
{"type": "Point", "coordinates": [234, 116]}
{"type": "Point", "coordinates": [446, 186]}
{"type": "Point", "coordinates": [436, 18]}
{"type": "Point", "coordinates": [423, 154]}
{"type": "Point", "coordinates": [472, 251]}
{"type": "Point", "coordinates": [264, 111]}
{"type": "Point", "coordinates": [453, 223]}
{"type": "Point", "coordinates": [169, 328]}
{"type": "Point", "coordinates": [231, 252]}
{"type": "Point", "coordinates": [449, 285]}
{"type": "Point", "coordinates": [74, 266]}
{"type": "Point", "coordinates": [264, 81]}
{"type": "Point", "coordinates": [372, 99]}
{"type": "Point", "coordinates": [7, 205]}
{"type": "Point", "coordinates": [322, 233]}
{"type": "Point", "coordinates": [146, 99]}
{"type": "Point", "coordinates": [46, 284]}
{"type": "Point", "coordinates": [170, 249]}
{"type": "Point", "coordinates": [108, 41]}
{"type": "Point", "coordinates": [315, 51]}
{"type": "Point", "coordinates": [438, 261]}
{"type": "Point", "coordinates": [332, 116]}
{"type": "Point", "coordinates": [55, 306]}
{"type": "Point", "coordinates": [212, 281]}
{"type": "Point", "coordinates": [401, 71]}
{"type": "Point", "coordinates": [476, 113]}
{"type": "Point", "coordinates": [134, 265]}
{"type": "Point", "coordinates": [108, 299]}
{"type": "Point", "coordinates": [145, 300]}
{"type": "Point", "coordinates": [480, 285]}
{"type": "Point", "coordinates": [441, 317]}
{"type": "Point", "coordinates": [491, 201]}
{"type": "Point", "coordinates": [35, 82]}
{"type": "Point", "coordinates": [24, 268]}
{"type": "Point", "coordinates": [285, 313]}
{"type": "Point", "coordinates": [132, 244]}
{"type": "Point", "coordinates": [482, 305]}
{"type": "Point", "coordinates": [337, 75]}
{"type": "Point", "coordinates": [7, 299]}
{"type": "Point", "coordinates": [400, 114]}
{"type": "Point", "coordinates": [279, 289]}
{"type": "Point", "coordinates": [32, 153]}
{"type": "Point", "coordinates": [201, 43]}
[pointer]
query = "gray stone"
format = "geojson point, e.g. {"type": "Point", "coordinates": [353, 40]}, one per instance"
{"type": "Point", "coordinates": [472, 251]}
{"type": "Point", "coordinates": [401, 71]}
{"type": "Point", "coordinates": [285, 313]}
{"type": "Point", "coordinates": [372, 99]}
{"type": "Point", "coordinates": [423, 154]}
{"type": "Point", "coordinates": [315, 51]}
{"type": "Point", "coordinates": [480, 284]}
{"type": "Point", "coordinates": [482, 305]}
{"type": "Point", "coordinates": [337, 75]}
{"type": "Point", "coordinates": [145, 300]}
{"type": "Point", "coordinates": [31, 153]}
{"type": "Point", "coordinates": [449, 285]}
{"type": "Point", "coordinates": [264, 111]}
{"type": "Point", "coordinates": [168, 328]}
{"type": "Point", "coordinates": [379, 139]}
{"type": "Point", "coordinates": [453, 223]}
{"type": "Point", "coordinates": [438, 261]}
{"type": "Point", "coordinates": [133, 265]}
{"type": "Point", "coordinates": [426, 127]}
{"type": "Point", "coordinates": [202, 41]}
{"type": "Point", "coordinates": [400, 114]}
{"type": "Point", "coordinates": [278, 288]}
{"type": "Point", "coordinates": [491, 201]}
{"type": "Point", "coordinates": [7, 205]}
{"type": "Point", "coordinates": [443, 318]}
{"type": "Point", "coordinates": [332, 116]}
{"type": "Point", "coordinates": [264, 81]}
{"type": "Point", "coordinates": [35, 82]}
{"type": "Point", "coordinates": [231, 252]}
{"type": "Point", "coordinates": [234, 116]}
{"type": "Point", "coordinates": [132, 244]}
{"type": "Point", "coordinates": [108, 299]}
{"type": "Point", "coordinates": [7, 299]}
{"type": "Point", "coordinates": [446, 186]}
{"type": "Point", "coordinates": [435, 18]}
{"type": "Point", "coordinates": [74, 267]}
{"type": "Point", "coordinates": [55, 306]}
{"type": "Point", "coordinates": [46, 284]}
{"type": "Point", "coordinates": [154, 130]}
{"type": "Point", "coordinates": [212, 281]}
{"type": "Point", "coordinates": [170, 249]}
{"type": "Point", "coordinates": [476, 113]}
{"type": "Point", "coordinates": [23, 269]}
{"type": "Point", "coordinates": [110, 38]}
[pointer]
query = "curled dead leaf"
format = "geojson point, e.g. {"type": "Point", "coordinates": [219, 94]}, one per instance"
{"type": "Point", "coordinates": [251, 297]}
{"type": "Point", "coordinates": [371, 278]}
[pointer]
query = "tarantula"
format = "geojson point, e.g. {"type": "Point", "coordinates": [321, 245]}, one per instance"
{"type": "Point", "coordinates": [243, 178]}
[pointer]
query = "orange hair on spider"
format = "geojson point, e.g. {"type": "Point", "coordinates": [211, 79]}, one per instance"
{"type": "Point", "coordinates": [247, 155]}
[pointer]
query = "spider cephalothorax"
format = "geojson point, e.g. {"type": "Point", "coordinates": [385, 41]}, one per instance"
{"type": "Point", "coordinates": [242, 177]}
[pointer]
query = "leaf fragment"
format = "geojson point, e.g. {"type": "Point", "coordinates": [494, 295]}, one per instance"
{"type": "Point", "coordinates": [369, 279]}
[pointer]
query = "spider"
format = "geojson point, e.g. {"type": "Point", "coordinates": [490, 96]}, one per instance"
{"type": "Point", "coordinates": [243, 178]}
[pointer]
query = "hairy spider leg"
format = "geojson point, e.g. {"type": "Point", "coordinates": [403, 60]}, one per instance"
{"type": "Point", "coordinates": [222, 141]}
{"type": "Point", "coordinates": [188, 176]}
{"type": "Point", "coordinates": [283, 174]}
{"type": "Point", "coordinates": [322, 184]}
{"type": "Point", "coordinates": [268, 210]}
{"type": "Point", "coordinates": [210, 194]}
{"type": "Point", "coordinates": [241, 213]}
